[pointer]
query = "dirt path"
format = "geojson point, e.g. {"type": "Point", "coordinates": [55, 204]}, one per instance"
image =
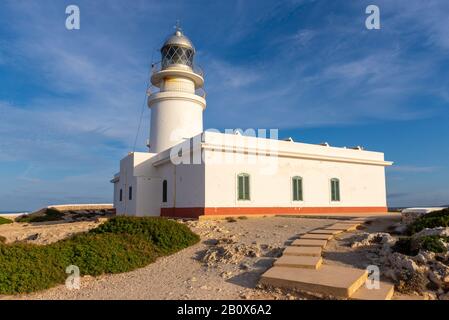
{"type": "Point", "coordinates": [225, 265]}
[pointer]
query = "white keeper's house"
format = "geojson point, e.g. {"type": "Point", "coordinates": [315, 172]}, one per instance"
{"type": "Point", "coordinates": [189, 172]}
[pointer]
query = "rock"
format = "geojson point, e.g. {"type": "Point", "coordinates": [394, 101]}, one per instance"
{"type": "Point", "coordinates": [439, 231]}
{"type": "Point", "coordinates": [435, 279]}
{"type": "Point", "coordinates": [365, 239]}
{"type": "Point", "coordinates": [245, 266]}
{"type": "Point", "coordinates": [400, 261]}
{"type": "Point", "coordinates": [444, 296]}
{"type": "Point", "coordinates": [33, 237]}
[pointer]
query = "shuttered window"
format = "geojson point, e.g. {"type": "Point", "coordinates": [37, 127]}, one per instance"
{"type": "Point", "coordinates": [335, 189]}
{"type": "Point", "coordinates": [297, 188]}
{"type": "Point", "coordinates": [243, 186]}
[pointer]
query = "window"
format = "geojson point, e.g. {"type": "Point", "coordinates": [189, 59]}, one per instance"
{"type": "Point", "coordinates": [297, 188]}
{"type": "Point", "coordinates": [130, 193]}
{"type": "Point", "coordinates": [243, 186]}
{"type": "Point", "coordinates": [335, 189]}
{"type": "Point", "coordinates": [121, 195]}
{"type": "Point", "coordinates": [164, 191]}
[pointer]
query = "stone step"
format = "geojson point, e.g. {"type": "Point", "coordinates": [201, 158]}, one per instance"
{"type": "Point", "coordinates": [343, 227]}
{"type": "Point", "coordinates": [302, 251]}
{"type": "Point", "coordinates": [363, 219]}
{"type": "Point", "coordinates": [408, 297]}
{"type": "Point", "coordinates": [325, 231]}
{"type": "Point", "coordinates": [336, 281]}
{"type": "Point", "coordinates": [316, 236]}
{"type": "Point", "coordinates": [299, 262]}
{"type": "Point", "coordinates": [309, 243]}
{"type": "Point", "coordinates": [385, 292]}
{"type": "Point", "coordinates": [350, 222]}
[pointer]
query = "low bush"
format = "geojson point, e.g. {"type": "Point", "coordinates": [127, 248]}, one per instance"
{"type": "Point", "coordinates": [432, 243]}
{"type": "Point", "coordinates": [431, 220]}
{"type": "Point", "coordinates": [122, 244]}
{"type": "Point", "coordinates": [169, 236]}
{"type": "Point", "coordinates": [5, 220]}
{"type": "Point", "coordinates": [44, 215]}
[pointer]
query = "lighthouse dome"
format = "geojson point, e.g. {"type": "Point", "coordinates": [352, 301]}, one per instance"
{"type": "Point", "coordinates": [177, 50]}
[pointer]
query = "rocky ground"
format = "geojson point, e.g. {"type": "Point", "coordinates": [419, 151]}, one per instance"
{"type": "Point", "coordinates": [230, 258]}
{"type": "Point", "coordinates": [226, 264]}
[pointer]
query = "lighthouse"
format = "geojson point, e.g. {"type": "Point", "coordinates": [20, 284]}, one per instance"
{"type": "Point", "coordinates": [297, 178]}
{"type": "Point", "coordinates": [177, 108]}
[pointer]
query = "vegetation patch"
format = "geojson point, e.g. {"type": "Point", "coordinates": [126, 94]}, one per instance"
{"type": "Point", "coordinates": [431, 220]}
{"type": "Point", "coordinates": [433, 244]}
{"type": "Point", "coordinates": [120, 245]}
{"type": "Point", "coordinates": [5, 220]}
{"type": "Point", "coordinates": [44, 215]}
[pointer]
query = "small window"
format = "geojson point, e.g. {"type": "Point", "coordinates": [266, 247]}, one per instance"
{"type": "Point", "coordinates": [130, 193]}
{"type": "Point", "coordinates": [243, 186]}
{"type": "Point", "coordinates": [121, 195]}
{"type": "Point", "coordinates": [335, 189]}
{"type": "Point", "coordinates": [297, 188]}
{"type": "Point", "coordinates": [164, 191]}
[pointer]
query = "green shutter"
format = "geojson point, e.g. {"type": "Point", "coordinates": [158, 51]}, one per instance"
{"type": "Point", "coordinates": [246, 179]}
{"type": "Point", "coordinates": [243, 187]}
{"type": "Point", "coordinates": [295, 189]}
{"type": "Point", "coordinates": [335, 190]}
{"type": "Point", "coordinates": [240, 188]}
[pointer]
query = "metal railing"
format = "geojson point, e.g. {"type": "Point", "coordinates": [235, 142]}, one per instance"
{"type": "Point", "coordinates": [156, 67]}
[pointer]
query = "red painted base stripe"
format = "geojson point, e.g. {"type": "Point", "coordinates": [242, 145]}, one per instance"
{"type": "Point", "coordinates": [235, 211]}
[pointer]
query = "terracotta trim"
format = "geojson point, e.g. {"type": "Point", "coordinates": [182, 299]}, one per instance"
{"type": "Point", "coordinates": [236, 211]}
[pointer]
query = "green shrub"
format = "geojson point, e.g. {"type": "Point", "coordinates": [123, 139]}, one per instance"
{"type": "Point", "coordinates": [120, 245]}
{"type": "Point", "coordinates": [48, 214]}
{"type": "Point", "coordinates": [431, 220]}
{"type": "Point", "coordinates": [5, 220]}
{"type": "Point", "coordinates": [432, 243]}
{"type": "Point", "coordinates": [168, 235]}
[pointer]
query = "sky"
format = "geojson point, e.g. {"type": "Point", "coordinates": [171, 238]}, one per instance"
{"type": "Point", "coordinates": [71, 100]}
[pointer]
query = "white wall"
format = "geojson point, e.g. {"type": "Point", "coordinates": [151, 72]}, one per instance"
{"type": "Point", "coordinates": [360, 185]}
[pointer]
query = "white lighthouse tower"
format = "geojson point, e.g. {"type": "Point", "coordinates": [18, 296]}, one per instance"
{"type": "Point", "coordinates": [177, 109]}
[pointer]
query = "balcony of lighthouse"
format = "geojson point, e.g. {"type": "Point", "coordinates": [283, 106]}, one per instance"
{"type": "Point", "coordinates": [177, 77]}
{"type": "Point", "coordinates": [160, 72]}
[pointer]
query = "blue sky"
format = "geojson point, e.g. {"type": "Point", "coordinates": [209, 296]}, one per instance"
{"type": "Point", "coordinates": [70, 101]}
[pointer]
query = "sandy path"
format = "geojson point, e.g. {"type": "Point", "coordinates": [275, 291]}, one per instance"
{"type": "Point", "coordinates": [182, 276]}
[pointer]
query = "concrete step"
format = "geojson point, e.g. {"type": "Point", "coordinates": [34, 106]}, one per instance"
{"type": "Point", "coordinates": [336, 281]}
{"type": "Point", "coordinates": [309, 243]}
{"type": "Point", "coordinates": [302, 251]}
{"type": "Point", "coordinates": [299, 262]}
{"type": "Point", "coordinates": [385, 292]}
{"type": "Point", "coordinates": [343, 227]}
{"type": "Point", "coordinates": [350, 222]}
{"type": "Point", "coordinates": [325, 231]}
{"type": "Point", "coordinates": [316, 236]}
{"type": "Point", "coordinates": [408, 297]}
